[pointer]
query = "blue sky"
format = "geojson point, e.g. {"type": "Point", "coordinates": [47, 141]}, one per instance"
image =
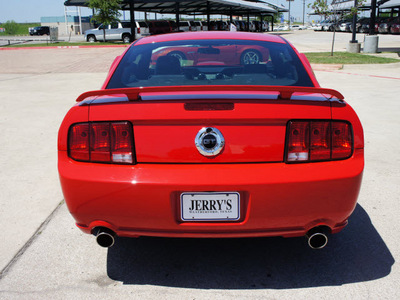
{"type": "Point", "coordinates": [32, 10]}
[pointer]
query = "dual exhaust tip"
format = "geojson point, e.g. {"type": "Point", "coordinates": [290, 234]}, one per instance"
{"type": "Point", "coordinates": [316, 237]}
{"type": "Point", "coordinates": [104, 237]}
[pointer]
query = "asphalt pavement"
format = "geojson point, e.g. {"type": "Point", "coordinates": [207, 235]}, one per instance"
{"type": "Point", "coordinates": [44, 256]}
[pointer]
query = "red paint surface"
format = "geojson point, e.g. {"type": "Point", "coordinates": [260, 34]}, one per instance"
{"type": "Point", "coordinates": [277, 199]}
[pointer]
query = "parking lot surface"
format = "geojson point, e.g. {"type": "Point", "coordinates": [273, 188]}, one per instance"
{"type": "Point", "coordinates": [44, 256]}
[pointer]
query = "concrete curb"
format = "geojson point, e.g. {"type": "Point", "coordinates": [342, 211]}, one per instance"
{"type": "Point", "coordinates": [326, 67]}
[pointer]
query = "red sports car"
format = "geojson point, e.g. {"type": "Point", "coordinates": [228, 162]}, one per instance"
{"type": "Point", "coordinates": [186, 138]}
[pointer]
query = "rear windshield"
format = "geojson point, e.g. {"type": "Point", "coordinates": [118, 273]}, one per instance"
{"type": "Point", "coordinates": [210, 62]}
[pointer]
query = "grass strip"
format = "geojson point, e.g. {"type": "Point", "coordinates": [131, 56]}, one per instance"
{"type": "Point", "coordinates": [347, 58]}
{"type": "Point", "coordinates": [21, 29]}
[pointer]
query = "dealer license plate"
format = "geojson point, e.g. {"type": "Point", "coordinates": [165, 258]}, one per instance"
{"type": "Point", "coordinates": [217, 206]}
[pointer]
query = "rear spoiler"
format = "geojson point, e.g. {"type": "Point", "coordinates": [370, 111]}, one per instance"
{"type": "Point", "coordinates": [283, 92]}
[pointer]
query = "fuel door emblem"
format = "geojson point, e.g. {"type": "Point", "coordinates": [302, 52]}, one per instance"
{"type": "Point", "coordinates": [209, 141]}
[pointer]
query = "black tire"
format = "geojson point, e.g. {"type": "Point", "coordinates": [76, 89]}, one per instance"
{"type": "Point", "coordinates": [179, 55]}
{"type": "Point", "coordinates": [126, 38]}
{"type": "Point", "coordinates": [250, 57]}
{"type": "Point", "coordinates": [91, 38]}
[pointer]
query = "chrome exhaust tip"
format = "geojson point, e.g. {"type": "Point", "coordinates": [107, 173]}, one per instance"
{"type": "Point", "coordinates": [104, 237]}
{"type": "Point", "coordinates": [317, 240]}
{"type": "Point", "coordinates": [317, 237]}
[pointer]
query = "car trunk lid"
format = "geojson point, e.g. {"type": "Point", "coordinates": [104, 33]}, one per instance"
{"type": "Point", "coordinates": [252, 123]}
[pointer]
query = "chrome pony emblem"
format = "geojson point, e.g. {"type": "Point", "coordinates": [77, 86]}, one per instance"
{"type": "Point", "coordinates": [209, 141]}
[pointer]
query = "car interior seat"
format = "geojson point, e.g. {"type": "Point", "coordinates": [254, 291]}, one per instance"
{"type": "Point", "coordinates": [168, 65]}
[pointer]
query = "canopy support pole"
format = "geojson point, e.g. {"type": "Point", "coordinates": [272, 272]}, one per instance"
{"type": "Point", "coordinates": [133, 23]}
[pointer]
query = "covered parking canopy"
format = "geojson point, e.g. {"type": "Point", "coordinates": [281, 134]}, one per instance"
{"type": "Point", "coordinates": [346, 5]}
{"type": "Point", "coordinates": [391, 4]}
{"type": "Point", "coordinates": [188, 7]}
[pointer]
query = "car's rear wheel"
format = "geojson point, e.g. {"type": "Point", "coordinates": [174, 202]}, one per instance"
{"type": "Point", "coordinates": [126, 38]}
{"type": "Point", "coordinates": [179, 55]}
{"type": "Point", "coordinates": [250, 57]}
{"type": "Point", "coordinates": [91, 38]}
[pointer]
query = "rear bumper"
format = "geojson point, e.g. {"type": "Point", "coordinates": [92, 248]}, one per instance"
{"type": "Point", "coordinates": [277, 199]}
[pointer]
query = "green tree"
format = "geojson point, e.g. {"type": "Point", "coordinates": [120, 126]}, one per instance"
{"type": "Point", "coordinates": [321, 8]}
{"type": "Point", "coordinates": [106, 12]}
{"type": "Point", "coordinates": [11, 27]}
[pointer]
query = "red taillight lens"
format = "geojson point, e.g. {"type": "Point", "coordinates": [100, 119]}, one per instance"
{"type": "Point", "coordinates": [299, 139]}
{"type": "Point", "coordinates": [318, 141]}
{"type": "Point", "coordinates": [78, 142]}
{"type": "Point", "coordinates": [110, 142]}
{"type": "Point", "coordinates": [342, 144]}
{"type": "Point", "coordinates": [122, 143]}
{"type": "Point", "coordinates": [100, 142]}
{"type": "Point", "coordinates": [138, 30]}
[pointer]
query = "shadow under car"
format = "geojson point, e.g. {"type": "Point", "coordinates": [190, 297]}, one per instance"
{"type": "Point", "coordinates": [357, 254]}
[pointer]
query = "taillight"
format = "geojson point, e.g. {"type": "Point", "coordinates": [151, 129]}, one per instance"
{"type": "Point", "coordinates": [318, 141]}
{"type": "Point", "coordinates": [190, 28]}
{"type": "Point", "coordinates": [78, 142]}
{"type": "Point", "coordinates": [108, 142]}
{"type": "Point", "coordinates": [299, 141]}
{"type": "Point", "coordinates": [138, 30]}
{"type": "Point", "coordinates": [342, 140]}
{"type": "Point", "coordinates": [100, 142]}
{"type": "Point", "coordinates": [122, 137]}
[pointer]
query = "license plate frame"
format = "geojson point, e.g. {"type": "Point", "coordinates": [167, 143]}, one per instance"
{"type": "Point", "coordinates": [210, 206]}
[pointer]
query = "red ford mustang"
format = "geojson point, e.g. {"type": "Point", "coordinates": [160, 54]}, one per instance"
{"type": "Point", "coordinates": [189, 138]}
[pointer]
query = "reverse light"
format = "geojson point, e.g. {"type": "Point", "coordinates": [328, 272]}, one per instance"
{"type": "Point", "coordinates": [318, 141]}
{"type": "Point", "coordinates": [108, 142]}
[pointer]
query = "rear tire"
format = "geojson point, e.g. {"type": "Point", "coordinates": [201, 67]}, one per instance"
{"type": "Point", "coordinates": [250, 57]}
{"type": "Point", "coordinates": [179, 55]}
{"type": "Point", "coordinates": [91, 38]}
{"type": "Point", "coordinates": [126, 38]}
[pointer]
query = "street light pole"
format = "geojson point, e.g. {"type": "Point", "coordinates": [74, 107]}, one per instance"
{"type": "Point", "coordinates": [304, 8]}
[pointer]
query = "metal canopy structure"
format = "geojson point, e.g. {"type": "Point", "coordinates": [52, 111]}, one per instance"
{"type": "Point", "coordinates": [391, 4]}
{"type": "Point", "coordinates": [190, 7]}
{"type": "Point", "coordinates": [347, 5]}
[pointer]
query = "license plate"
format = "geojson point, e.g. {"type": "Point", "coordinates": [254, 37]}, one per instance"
{"type": "Point", "coordinates": [221, 206]}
